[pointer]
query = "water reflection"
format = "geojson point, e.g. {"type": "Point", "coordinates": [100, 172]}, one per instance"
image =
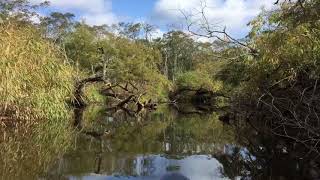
{"type": "Point", "coordinates": [26, 154]}
{"type": "Point", "coordinates": [155, 167]}
{"type": "Point", "coordinates": [161, 145]}
{"type": "Point", "coordinates": [164, 144]}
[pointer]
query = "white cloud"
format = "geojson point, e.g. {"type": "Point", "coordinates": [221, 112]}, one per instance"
{"type": "Point", "coordinates": [94, 12]}
{"type": "Point", "coordinates": [232, 14]}
{"type": "Point", "coordinates": [158, 33]}
{"type": "Point", "coordinates": [92, 6]}
{"type": "Point", "coordinates": [36, 18]}
{"type": "Point", "coordinates": [100, 18]}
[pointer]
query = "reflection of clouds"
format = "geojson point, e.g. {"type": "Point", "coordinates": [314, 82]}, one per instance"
{"type": "Point", "coordinates": [128, 155]}
{"type": "Point", "coordinates": [201, 167]}
{"type": "Point", "coordinates": [196, 167]}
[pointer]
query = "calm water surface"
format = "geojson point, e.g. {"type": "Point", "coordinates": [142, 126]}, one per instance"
{"type": "Point", "coordinates": [162, 145]}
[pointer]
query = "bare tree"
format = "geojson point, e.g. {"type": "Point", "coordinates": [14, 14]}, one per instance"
{"type": "Point", "coordinates": [199, 25]}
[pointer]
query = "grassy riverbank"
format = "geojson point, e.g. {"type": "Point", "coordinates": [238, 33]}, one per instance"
{"type": "Point", "coordinates": [35, 82]}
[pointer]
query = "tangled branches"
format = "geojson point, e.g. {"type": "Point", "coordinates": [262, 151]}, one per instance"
{"type": "Point", "coordinates": [128, 97]}
{"type": "Point", "coordinates": [292, 112]}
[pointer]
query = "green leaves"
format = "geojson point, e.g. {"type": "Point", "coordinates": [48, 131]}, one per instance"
{"type": "Point", "coordinates": [82, 47]}
{"type": "Point", "coordinates": [288, 45]}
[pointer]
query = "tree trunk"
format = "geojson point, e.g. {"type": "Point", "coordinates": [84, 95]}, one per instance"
{"type": "Point", "coordinates": [78, 101]}
{"type": "Point", "coordinates": [166, 73]}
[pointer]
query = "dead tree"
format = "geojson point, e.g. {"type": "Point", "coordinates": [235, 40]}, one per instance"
{"type": "Point", "coordinates": [129, 97]}
{"type": "Point", "coordinates": [199, 25]}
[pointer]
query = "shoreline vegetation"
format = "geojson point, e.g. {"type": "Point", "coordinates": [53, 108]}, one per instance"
{"type": "Point", "coordinates": [34, 86]}
{"type": "Point", "coordinates": [268, 80]}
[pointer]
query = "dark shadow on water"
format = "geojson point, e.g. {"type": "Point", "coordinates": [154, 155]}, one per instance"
{"type": "Point", "coordinates": [174, 176]}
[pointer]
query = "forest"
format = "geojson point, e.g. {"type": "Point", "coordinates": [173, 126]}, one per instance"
{"type": "Point", "coordinates": [263, 85]}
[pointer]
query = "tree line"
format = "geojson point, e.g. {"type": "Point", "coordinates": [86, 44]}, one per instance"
{"type": "Point", "coordinates": [275, 68]}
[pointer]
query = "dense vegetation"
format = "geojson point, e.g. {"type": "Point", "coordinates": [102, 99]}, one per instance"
{"type": "Point", "coordinates": [34, 86]}
{"type": "Point", "coordinates": [275, 69]}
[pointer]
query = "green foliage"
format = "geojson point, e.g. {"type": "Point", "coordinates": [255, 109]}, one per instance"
{"type": "Point", "coordinates": [19, 10]}
{"type": "Point", "coordinates": [177, 50]}
{"type": "Point", "coordinates": [81, 47]}
{"type": "Point", "coordinates": [287, 50]}
{"type": "Point", "coordinates": [57, 25]}
{"type": "Point", "coordinates": [130, 30]}
{"type": "Point", "coordinates": [194, 80]}
{"type": "Point", "coordinates": [34, 86]}
{"type": "Point", "coordinates": [126, 61]}
{"type": "Point", "coordinates": [93, 95]}
{"type": "Point", "coordinates": [133, 62]}
{"type": "Point", "coordinates": [288, 46]}
{"type": "Point", "coordinates": [137, 63]}
{"type": "Point", "coordinates": [45, 89]}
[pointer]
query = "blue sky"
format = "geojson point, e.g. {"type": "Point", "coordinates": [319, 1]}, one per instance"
{"type": "Point", "coordinates": [232, 14]}
{"type": "Point", "coordinates": [135, 9]}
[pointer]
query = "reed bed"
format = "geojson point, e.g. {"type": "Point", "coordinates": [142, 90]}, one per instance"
{"type": "Point", "coordinates": [34, 85]}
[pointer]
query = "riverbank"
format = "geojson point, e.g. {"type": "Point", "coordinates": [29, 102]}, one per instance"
{"type": "Point", "coordinates": [35, 83]}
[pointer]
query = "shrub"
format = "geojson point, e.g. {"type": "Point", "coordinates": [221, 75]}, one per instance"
{"type": "Point", "coordinates": [195, 80]}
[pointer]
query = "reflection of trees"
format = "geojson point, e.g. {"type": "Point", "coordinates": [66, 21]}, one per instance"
{"type": "Point", "coordinates": [265, 156]}
{"type": "Point", "coordinates": [165, 132]}
{"type": "Point", "coordinates": [182, 134]}
{"type": "Point", "coordinates": [268, 157]}
{"type": "Point", "coordinates": [185, 135]}
{"type": "Point", "coordinates": [196, 134]}
{"type": "Point", "coordinates": [174, 135]}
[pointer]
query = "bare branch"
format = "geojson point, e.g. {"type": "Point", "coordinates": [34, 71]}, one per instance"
{"type": "Point", "coordinates": [210, 31]}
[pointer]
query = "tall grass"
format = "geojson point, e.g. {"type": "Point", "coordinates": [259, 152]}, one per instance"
{"type": "Point", "coordinates": [34, 85]}
{"type": "Point", "coordinates": [33, 76]}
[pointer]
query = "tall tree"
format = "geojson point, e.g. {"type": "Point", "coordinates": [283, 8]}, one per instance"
{"type": "Point", "coordinates": [130, 30]}
{"type": "Point", "coordinates": [57, 25]}
{"type": "Point", "coordinates": [177, 50]}
{"type": "Point", "coordinates": [82, 46]}
{"type": "Point", "coordinates": [19, 10]}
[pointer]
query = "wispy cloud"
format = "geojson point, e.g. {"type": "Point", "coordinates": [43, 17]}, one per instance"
{"type": "Point", "coordinates": [232, 14]}
{"type": "Point", "coordinates": [94, 12]}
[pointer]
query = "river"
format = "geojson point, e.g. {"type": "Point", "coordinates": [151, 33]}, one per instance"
{"type": "Point", "coordinates": [166, 145]}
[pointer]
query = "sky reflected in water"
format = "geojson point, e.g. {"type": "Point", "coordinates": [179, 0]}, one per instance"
{"type": "Point", "coordinates": [153, 167]}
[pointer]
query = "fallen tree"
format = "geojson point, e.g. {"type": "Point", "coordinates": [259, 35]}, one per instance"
{"type": "Point", "coordinates": [78, 100]}
{"type": "Point", "coordinates": [129, 99]}
{"type": "Point", "coordinates": [128, 96]}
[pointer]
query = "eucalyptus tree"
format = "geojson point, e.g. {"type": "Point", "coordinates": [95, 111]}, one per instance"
{"type": "Point", "coordinates": [19, 10]}
{"type": "Point", "coordinates": [129, 30]}
{"type": "Point", "coordinates": [177, 50]}
{"type": "Point", "coordinates": [81, 47]}
{"type": "Point", "coordinates": [57, 25]}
